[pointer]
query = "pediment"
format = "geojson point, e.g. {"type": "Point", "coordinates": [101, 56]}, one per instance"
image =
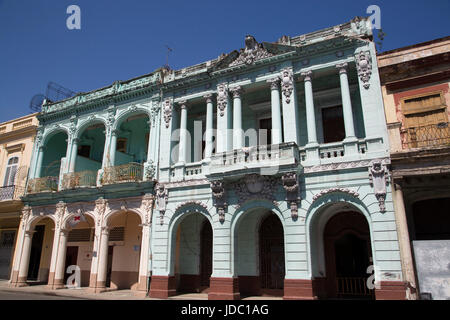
{"type": "Point", "coordinates": [252, 53]}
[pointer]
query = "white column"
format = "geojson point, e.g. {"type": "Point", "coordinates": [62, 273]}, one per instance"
{"type": "Point", "coordinates": [143, 262]}
{"type": "Point", "coordinates": [73, 154]}
{"type": "Point", "coordinates": [310, 112]}
{"type": "Point", "coordinates": [346, 101]}
{"type": "Point", "coordinates": [404, 243]}
{"type": "Point", "coordinates": [209, 127]}
{"type": "Point", "coordinates": [39, 161]}
{"type": "Point", "coordinates": [103, 260]}
{"type": "Point", "coordinates": [112, 148]}
{"type": "Point", "coordinates": [276, 111]}
{"type": "Point", "coordinates": [61, 259]}
{"type": "Point", "coordinates": [238, 133]}
{"type": "Point", "coordinates": [25, 261]}
{"type": "Point", "coordinates": [182, 153]}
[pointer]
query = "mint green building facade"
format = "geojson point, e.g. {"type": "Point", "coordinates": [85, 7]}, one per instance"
{"type": "Point", "coordinates": [264, 171]}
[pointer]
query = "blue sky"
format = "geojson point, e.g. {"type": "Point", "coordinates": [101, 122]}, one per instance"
{"type": "Point", "coordinates": [120, 40]}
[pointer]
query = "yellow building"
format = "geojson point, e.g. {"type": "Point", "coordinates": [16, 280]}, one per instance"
{"type": "Point", "coordinates": [16, 147]}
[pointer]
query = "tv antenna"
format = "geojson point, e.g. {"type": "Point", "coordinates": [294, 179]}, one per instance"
{"type": "Point", "coordinates": [169, 50]}
{"type": "Point", "coordinates": [54, 92]}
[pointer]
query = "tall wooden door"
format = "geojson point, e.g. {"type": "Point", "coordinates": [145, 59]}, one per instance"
{"type": "Point", "coordinates": [71, 259]}
{"type": "Point", "coordinates": [206, 254]}
{"type": "Point", "coordinates": [272, 267]}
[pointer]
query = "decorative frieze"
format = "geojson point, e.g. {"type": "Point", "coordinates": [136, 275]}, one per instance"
{"type": "Point", "coordinates": [342, 165]}
{"type": "Point", "coordinates": [162, 198]}
{"type": "Point", "coordinates": [290, 184]}
{"type": "Point", "coordinates": [379, 179]}
{"type": "Point", "coordinates": [218, 192]}
{"type": "Point", "coordinates": [364, 67]}
{"type": "Point", "coordinates": [191, 203]}
{"type": "Point", "coordinates": [287, 83]}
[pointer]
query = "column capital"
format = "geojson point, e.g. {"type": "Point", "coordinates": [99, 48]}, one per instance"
{"type": "Point", "coordinates": [208, 97]}
{"type": "Point", "coordinates": [342, 67]}
{"type": "Point", "coordinates": [307, 75]}
{"type": "Point", "coordinates": [64, 232]}
{"type": "Point", "coordinates": [237, 91]}
{"type": "Point", "coordinates": [274, 83]}
{"type": "Point", "coordinates": [182, 104]}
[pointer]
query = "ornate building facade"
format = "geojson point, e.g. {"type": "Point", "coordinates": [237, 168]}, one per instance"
{"type": "Point", "coordinates": [16, 146]}
{"type": "Point", "coordinates": [264, 171]}
{"type": "Point", "coordinates": [415, 82]}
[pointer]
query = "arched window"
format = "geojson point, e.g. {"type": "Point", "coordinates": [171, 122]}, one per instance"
{"type": "Point", "coordinates": [11, 170]}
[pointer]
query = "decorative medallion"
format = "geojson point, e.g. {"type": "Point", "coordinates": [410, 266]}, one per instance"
{"type": "Point", "coordinates": [255, 187]}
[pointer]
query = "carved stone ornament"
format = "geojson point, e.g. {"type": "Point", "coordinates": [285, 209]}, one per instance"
{"type": "Point", "coordinates": [332, 190]}
{"type": "Point", "coordinates": [26, 213]}
{"type": "Point", "coordinates": [59, 214]}
{"type": "Point", "coordinates": [379, 178]}
{"type": "Point", "coordinates": [253, 51]}
{"type": "Point", "coordinates": [255, 187]}
{"type": "Point", "coordinates": [222, 98]}
{"type": "Point", "coordinates": [287, 83]}
{"type": "Point", "coordinates": [147, 204]}
{"type": "Point", "coordinates": [191, 202]}
{"type": "Point", "coordinates": [167, 109]}
{"type": "Point", "coordinates": [150, 171]}
{"type": "Point", "coordinates": [162, 197]}
{"type": "Point", "coordinates": [290, 184]}
{"type": "Point", "coordinates": [154, 110]}
{"type": "Point", "coordinates": [100, 207]}
{"type": "Point", "coordinates": [364, 67]}
{"type": "Point", "coordinates": [218, 191]}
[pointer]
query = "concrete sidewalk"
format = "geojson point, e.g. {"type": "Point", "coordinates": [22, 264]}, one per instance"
{"type": "Point", "coordinates": [82, 293]}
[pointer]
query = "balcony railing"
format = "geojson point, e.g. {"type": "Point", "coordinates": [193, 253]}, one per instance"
{"type": "Point", "coordinates": [265, 156]}
{"type": "Point", "coordinates": [427, 136]}
{"type": "Point", "coordinates": [79, 179]}
{"type": "Point", "coordinates": [130, 172]}
{"type": "Point", "coordinates": [11, 193]}
{"type": "Point", "coordinates": [44, 184]}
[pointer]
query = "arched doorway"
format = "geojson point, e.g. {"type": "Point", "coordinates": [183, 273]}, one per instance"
{"type": "Point", "coordinates": [124, 251]}
{"type": "Point", "coordinates": [271, 253]}
{"type": "Point", "coordinates": [193, 254]}
{"type": "Point", "coordinates": [41, 251]}
{"type": "Point", "coordinates": [348, 255]}
{"type": "Point", "coordinates": [259, 260]}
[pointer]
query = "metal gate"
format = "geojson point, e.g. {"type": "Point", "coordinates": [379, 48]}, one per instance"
{"type": "Point", "coordinates": [272, 268]}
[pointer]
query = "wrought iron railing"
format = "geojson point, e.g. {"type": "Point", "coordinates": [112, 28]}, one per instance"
{"type": "Point", "coordinates": [130, 172]}
{"type": "Point", "coordinates": [43, 184]}
{"type": "Point", "coordinates": [426, 136]}
{"type": "Point", "coordinates": [11, 193]}
{"type": "Point", "coordinates": [79, 179]}
{"type": "Point", "coordinates": [353, 287]}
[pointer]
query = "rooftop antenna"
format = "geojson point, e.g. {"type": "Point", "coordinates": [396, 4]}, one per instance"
{"type": "Point", "coordinates": [54, 92]}
{"type": "Point", "coordinates": [169, 50]}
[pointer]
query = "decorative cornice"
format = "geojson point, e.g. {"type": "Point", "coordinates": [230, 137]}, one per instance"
{"type": "Point", "coordinates": [343, 165]}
